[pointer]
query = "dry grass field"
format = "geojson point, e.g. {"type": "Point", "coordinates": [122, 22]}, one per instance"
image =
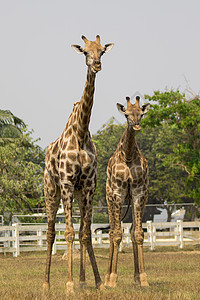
{"type": "Point", "coordinates": [172, 274]}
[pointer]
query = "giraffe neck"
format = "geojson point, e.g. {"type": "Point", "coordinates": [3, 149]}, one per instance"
{"type": "Point", "coordinates": [129, 145]}
{"type": "Point", "coordinates": [84, 108]}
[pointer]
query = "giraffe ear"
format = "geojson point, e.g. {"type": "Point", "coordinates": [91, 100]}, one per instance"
{"type": "Point", "coordinates": [108, 47]}
{"type": "Point", "coordinates": [78, 49]}
{"type": "Point", "coordinates": [145, 108]}
{"type": "Point", "coordinates": [121, 108]}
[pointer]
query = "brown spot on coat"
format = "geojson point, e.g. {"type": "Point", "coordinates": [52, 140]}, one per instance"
{"type": "Point", "coordinates": [62, 175]}
{"type": "Point", "coordinates": [63, 156]}
{"type": "Point", "coordinates": [89, 182]}
{"type": "Point", "coordinates": [69, 131]}
{"type": "Point", "coordinates": [85, 118]}
{"type": "Point", "coordinates": [124, 185]}
{"type": "Point", "coordinates": [64, 146]}
{"type": "Point", "coordinates": [55, 148]}
{"type": "Point", "coordinates": [72, 156]}
{"type": "Point", "coordinates": [68, 167]}
{"type": "Point", "coordinates": [75, 127]}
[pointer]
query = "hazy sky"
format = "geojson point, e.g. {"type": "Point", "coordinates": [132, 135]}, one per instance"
{"type": "Point", "coordinates": [157, 44]}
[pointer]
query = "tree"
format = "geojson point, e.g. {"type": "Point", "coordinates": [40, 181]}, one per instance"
{"type": "Point", "coordinates": [106, 141]}
{"type": "Point", "coordinates": [10, 126]}
{"type": "Point", "coordinates": [166, 184]}
{"type": "Point", "coordinates": [21, 174]}
{"type": "Point", "coordinates": [174, 109]}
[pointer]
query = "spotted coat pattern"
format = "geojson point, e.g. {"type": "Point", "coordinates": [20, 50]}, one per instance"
{"type": "Point", "coordinates": [70, 172]}
{"type": "Point", "coordinates": [127, 178]}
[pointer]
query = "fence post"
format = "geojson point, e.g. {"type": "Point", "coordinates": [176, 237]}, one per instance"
{"type": "Point", "coordinates": [39, 234]}
{"type": "Point", "coordinates": [99, 238]}
{"type": "Point", "coordinates": [154, 234]}
{"type": "Point", "coordinates": [180, 233]}
{"type": "Point", "coordinates": [6, 242]}
{"type": "Point", "coordinates": [150, 234]}
{"type": "Point", "coordinates": [16, 240]}
{"type": "Point", "coordinates": [127, 235]}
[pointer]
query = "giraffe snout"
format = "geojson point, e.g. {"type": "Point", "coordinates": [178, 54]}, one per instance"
{"type": "Point", "coordinates": [97, 65]}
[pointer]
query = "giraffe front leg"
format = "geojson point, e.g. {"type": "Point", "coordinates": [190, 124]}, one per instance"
{"type": "Point", "coordinates": [139, 238]}
{"type": "Point", "coordinates": [116, 238]}
{"type": "Point", "coordinates": [82, 202]}
{"type": "Point", "coordinates": [82, 281]}
{"type": "Point", "coordinates": [135, 255]}
{"type": "Point", "coordinates": [69, 237]}
{"type": "Point", "coordinates": [107, 277]}
{"type": "Point", "coordinates": [67, 197]}
{"type": "Point", "coordinates": [69, 284]}
{"type": "Point", "coordinates": [112, 223]}
{"type": "Point", "coordinates": [135, 249]}
{"type": "Point", "coordinates": [83, 246]}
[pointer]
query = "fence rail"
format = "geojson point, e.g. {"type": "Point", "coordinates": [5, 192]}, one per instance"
{"type": "Point", "coordinates": [19, 238]}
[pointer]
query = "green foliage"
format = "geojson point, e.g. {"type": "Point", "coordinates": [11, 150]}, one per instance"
{"type": "Point", "coordinates": [10, 126]}
{"type": "Point", "coordinates": [166, 181]}
{"type": "Point", "coordinates": [170, 140]}
{"type": "Point", "coordinates": [173, 274]}
{"type": "Point", "coordinates": [106, 142]}
{"type": "Point", "coordinates": [21, 174]}
{"type": "Point", "coordinates": [100, 218]}
{"type": "Point", "coordinates": [184, 118]}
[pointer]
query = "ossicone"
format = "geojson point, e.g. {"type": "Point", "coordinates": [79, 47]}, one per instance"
{"type": "Point", "coordinates": [84, 38]}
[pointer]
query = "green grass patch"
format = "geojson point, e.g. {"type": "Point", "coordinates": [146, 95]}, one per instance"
{"type": "Point", "coordinates": [171, 274]}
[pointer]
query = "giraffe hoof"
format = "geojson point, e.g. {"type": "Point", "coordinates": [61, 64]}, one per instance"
{"type": "Point", "coordinates": [137, 279]}
{"type": "Point", "coordinates": [145, 283]}
{"type": "Point", "coordinates": [46, 287]}
{"type": "Point", "coordinates": [101, 287]}
{"type": "Point", "coordinates": [143, 279]}
{"type": "Point", "coordinates": [82, 284]}
{"type": "Point", "coordinates": [107, 280]}
{"type": "Point", "coordinates": [69, 288]}
{"type": "Point", "coordinates": [113, 280]}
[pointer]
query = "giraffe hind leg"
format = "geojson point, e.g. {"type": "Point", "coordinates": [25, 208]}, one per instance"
{"type": "Point", "coordinates": [52, 199]}
{"type": "Point", "coordinates": [85, 236]}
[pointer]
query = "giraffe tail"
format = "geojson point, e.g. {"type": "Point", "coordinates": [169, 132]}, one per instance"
{"type": "Point", "coordinates": [102, 228]}
{"type": "Point", "coordinates": [124, 216]}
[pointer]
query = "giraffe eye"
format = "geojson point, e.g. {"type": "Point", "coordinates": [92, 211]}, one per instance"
{"type": "Point", "coordinates": [85, 52]}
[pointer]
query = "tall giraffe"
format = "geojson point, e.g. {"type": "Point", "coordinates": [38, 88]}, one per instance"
{"type": "Point", "coordinates": [70, 171]}
{"type": "Point", "coordinates": [127, 177]}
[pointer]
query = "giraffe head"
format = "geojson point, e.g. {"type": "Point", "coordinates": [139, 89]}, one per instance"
{"type": "Point", "coordinates": [93, 52]}
{"type": "Point", "coordinates": [133, 112]}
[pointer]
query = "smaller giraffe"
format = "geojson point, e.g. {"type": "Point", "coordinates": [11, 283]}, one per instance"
{"type": "Point", "coordinates": [127, 177]}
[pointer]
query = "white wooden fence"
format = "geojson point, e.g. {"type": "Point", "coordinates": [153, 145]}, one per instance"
{"type": "Point", "coordinates": [19, 238]}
